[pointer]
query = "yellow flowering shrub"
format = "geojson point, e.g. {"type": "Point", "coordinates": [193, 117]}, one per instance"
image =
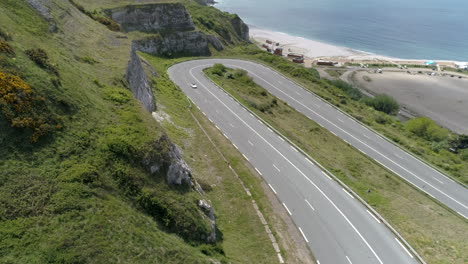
{"type": "Point", "coordinates": [23, 108]}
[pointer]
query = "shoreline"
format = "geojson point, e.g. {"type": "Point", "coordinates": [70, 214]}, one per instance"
{"type": "Point", "coordinates": [314, 50]}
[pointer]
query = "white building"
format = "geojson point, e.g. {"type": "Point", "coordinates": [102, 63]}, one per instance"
{"type": "Point", "coordinates": [461, 65]}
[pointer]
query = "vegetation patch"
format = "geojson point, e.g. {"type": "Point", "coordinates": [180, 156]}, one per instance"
{"type": "Point", "coordinates": [23, 108]}
{"type": "Point", "coordinates": [109, 23]}
{"type": "Point", "coordinates": [383, 103]}
{"type": "Point", "coordinates": [40, 57]}
{"type": "Point", "coordinates": [6, 48]}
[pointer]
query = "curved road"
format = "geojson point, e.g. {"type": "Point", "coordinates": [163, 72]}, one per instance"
{"type": "Point", "coordinates": [337, 227]}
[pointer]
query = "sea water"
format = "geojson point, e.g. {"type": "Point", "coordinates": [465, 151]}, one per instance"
{"type": "Point", "coordinates": [410, 29]}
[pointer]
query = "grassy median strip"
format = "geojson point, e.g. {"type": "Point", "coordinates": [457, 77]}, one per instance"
{"type": "Point", "coordinates": [244, 236]}
{"type": "Point", "coordinates": [437, 234]}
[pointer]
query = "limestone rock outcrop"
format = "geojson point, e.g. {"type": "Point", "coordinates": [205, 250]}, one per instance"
{"type": "Point", "coordinates": [179, 172]}
{"type": "Point", "coordinates": [138, 82]}
{"type": "Point", "coordinates": [152, 18]}
{"type": "Point", "coordinates": [241, 28]}
{"type": "Point", "coordinates": [179, 43]}
{"type": "Point", "coordinates": [41, 6]}
{"type": "Point", "coordinates": [209, 211]}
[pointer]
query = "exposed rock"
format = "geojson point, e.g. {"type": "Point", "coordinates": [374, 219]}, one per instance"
{"type": "Point", "coordinates": [179, 172]}
{"type": "Point", "coordinates": [41, 6]}
{"type": "Point", "coordinates": [208, 210]}
{"type": "Point", "coordinates": [206, 2]}
{"type": "Point", "coordinates": [165, 157]}
{"type": "Point", "coordinates": [136, 78]}
{"type": "Point", "coordinates": [241, 28]}
{"type": "Point", "coordinates": [153, 17]}
{"type": "Point", "coordinates": [180, 43]}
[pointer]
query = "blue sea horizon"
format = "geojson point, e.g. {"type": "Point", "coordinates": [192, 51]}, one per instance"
{"type": "Point", "coordinates": [418, 29]}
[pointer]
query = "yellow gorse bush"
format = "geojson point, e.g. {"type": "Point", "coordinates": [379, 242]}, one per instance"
{"type": "Point", "coordinates": [18, 103]}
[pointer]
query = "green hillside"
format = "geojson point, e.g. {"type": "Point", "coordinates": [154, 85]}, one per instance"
{"type": "Point", "coordinates": [77, 153]}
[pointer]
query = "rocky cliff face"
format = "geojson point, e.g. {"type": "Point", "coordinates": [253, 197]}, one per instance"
{"type": "Point", "coordinates": [136, 78]}
{"type": "Point", "coordinates": [153, 17]}
{"type": "Point", "coordinates": [42, 7]}
{"type": "Point", "coordinates": [180, 43]}
{"type": "Point", "coordinates": [241, 28]}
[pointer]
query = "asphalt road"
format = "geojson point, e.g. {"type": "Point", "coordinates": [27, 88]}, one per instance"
{"type": "Point", "coordinates": [337, 227]}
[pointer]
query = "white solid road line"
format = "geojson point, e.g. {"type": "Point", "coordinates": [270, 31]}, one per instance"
{"type": "Point", "coordinates": [271, 187]}
{"type": "Point", "coordinates": [404, 247]}
{"type": "Point", "coordinates": [438, 180]}
{"type": "Point", "coordinates": [347, 193]}
{"type": "Point", "coordinates": [287, 209]}
{"type": "Point", "coordinates": [276, 168]}
{"type": "Point", "coordinates": [305, 238]}
{"type": "Point", "coordinates": [333, 124]}
{"type": "Point", "coordinates": [292, 164]}
{"type": "Point", "coordinates": [251, 144]}
{"type": "Point", "coordinates": [376, 219]}
{"type": "Point", "coordinates": [313, 209]}
{"type": "Point", "coordinates": [462, 215]}
{"type": "Point", "coordinates": [259, 172]}
{"type": "Point", "coordinates": [245, 157]}
{"type": "Point", "coordinates": [326, 175]}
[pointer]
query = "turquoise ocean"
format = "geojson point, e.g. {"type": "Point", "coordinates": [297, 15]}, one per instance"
{"type": "Point", "coordinates": [410, 29]}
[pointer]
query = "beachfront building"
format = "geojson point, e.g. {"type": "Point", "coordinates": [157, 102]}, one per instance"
{"type": "Point", "coordinates": [461, 65]}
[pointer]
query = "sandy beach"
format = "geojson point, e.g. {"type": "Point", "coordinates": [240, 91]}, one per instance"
{"type": "Point", "coordinates": [314, 50]}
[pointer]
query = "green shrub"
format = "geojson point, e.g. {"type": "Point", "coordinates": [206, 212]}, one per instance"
{"type": "Point", "coordinates": [426, 128]}
{"type": "Point", "coordinates": [40, 57]}
{"type": "Point", "coordinates": [460, 142]}
{"type": "Point", "coordinates": [218, 69]}
{"type": "Point", "coordinates": [177, 213]}
{"type": "Point", "coordinates": [6, 48]}
{"type": "Point", "coordinates": [87, 60]}
{"type": "Point", "coordinates": [438, 146]}
{"type": "Point", "coordinates": [117, 95]}
{"type": "Point", "coordinates": [383, 103]}
{"type": "Point", "coordinates": [464, 155]}
{"type": "Point", "coordinates": [109, 23]}
{"type": "Point", "coordinates": [352, 92]}
{"type": "Point", "coordinates": [241, 76]}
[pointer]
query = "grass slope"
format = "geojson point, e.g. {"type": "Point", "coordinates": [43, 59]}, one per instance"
{"type": "Point", "coordinates": [82, 193]}
{"type": "Point", "coordinates": [433, 231]}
